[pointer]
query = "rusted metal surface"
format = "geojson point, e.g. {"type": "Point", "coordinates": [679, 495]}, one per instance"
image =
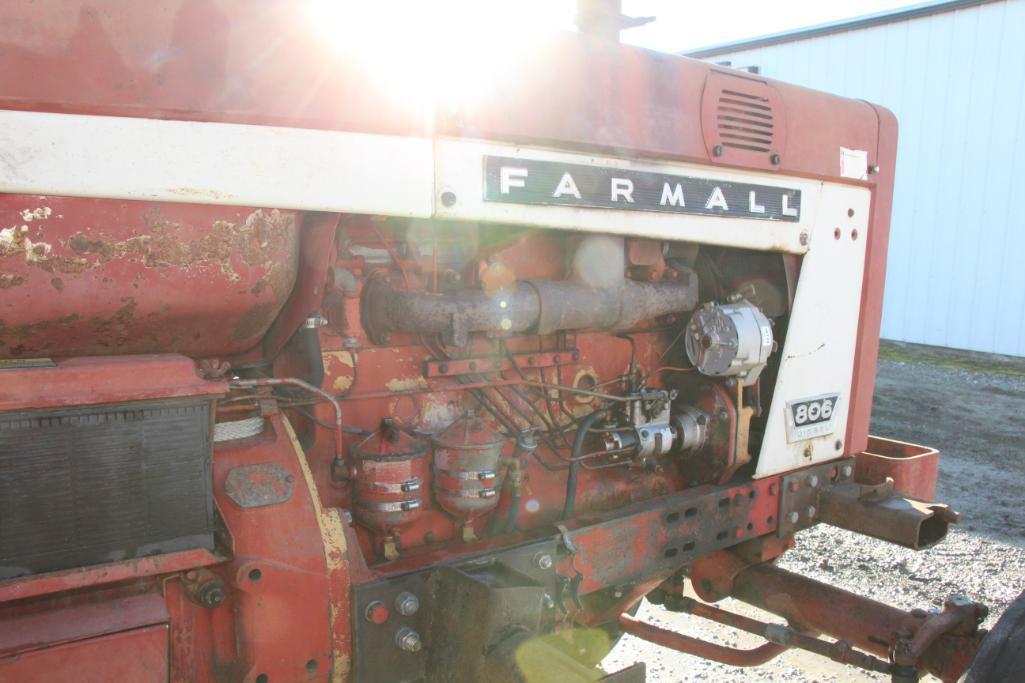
{"type": "Point", "coordinates": [289, 575]}
{"type": "Point", "coordinates": [119, 638]}
{"type": "Point", "coordinates": [90, 381]}
{"type": "Point", "coordinates": [801, 490]}
{"type": "Point", "coordinates": [23, 633]}
{"type": "Point", "coordinates": [138, 654]}
{"type": "Point", "coordinates": [868, 625]}
{"type": "Point", "coordinates": [91, 277]}
{"type": "Point", "coordinates": [700, 648]}
{"type": "Point", "coordinates": [912, 468]}
{"type": "Point", "coordinates": [665, 534]}
{"type": "Point", "coordinates": [313, 255]}
{"type": "Point", "coordinates": [115, 572]}
{"type": "Point", "coordinates": [878, 512]}
{"type": "Point", "coordinates": [253, 486]}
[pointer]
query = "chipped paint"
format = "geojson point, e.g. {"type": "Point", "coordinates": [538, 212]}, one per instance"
{"type": "Point", "coordinates": [15, 240]}
{"type": "Point", "coordinates": [7, 280]}
{"type": "Point", "coordinates": [41, 213]}
{"type": "Point", "coordinates": [406, 383]}
{"type": "Point", "coordinates": [336, 558]}
{"type": "Point", "coordinates": [341, 382]}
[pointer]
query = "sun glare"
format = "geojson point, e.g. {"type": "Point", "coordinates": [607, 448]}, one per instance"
{"type": "Point", "coordinates": [446, 52]}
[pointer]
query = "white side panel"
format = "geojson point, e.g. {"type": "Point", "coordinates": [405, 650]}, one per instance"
{"type": "Point", "coordinates": [460, 170]}
{"type": "Point", "coordinates": [215, 163]}
{"type": "Point", "coordinates": [956, 82]}
{"type": "Point", "coordinates": [818, 357]}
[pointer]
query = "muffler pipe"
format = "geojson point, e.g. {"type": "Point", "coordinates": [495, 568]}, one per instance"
{"type": "Point", "coordinates": [595, 295]}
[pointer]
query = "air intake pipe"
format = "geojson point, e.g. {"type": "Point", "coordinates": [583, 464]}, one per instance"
{"type": "Point", "coordinates": [596, 296]}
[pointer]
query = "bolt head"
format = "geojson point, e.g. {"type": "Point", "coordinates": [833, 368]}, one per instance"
{"type": "Point", "coordinates": [543, 561]}
{"type": "Point", "coordinates": [804, 239]}
{"type": "Point", "coordinates": [448, 198]}
{"type": "Point", "coordinates": [793, 486]}
{"type": "Point", "coordinates": [407, 604]}
{"type": "Point", "coordinates": [212, 593]}
{"type": "Point", "coordinates": [773, 489]}
{"type": "Point", "coordinates": [811, 511]}
{"type": "Point", "coordinates": [813, 481]}
{"type": "Point", "coordinates": [409, 640]}
{"type": "Point", "coordinates": [846, 471]}
{"type": "Point", "coordinates": [794, 517]}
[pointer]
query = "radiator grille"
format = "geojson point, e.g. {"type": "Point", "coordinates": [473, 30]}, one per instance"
{"type": "Point", "coordinates": [745, 121]}
{"type": "Point", "coordinates": [97, 484]}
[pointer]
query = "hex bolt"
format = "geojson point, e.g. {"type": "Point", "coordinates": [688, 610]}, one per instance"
{"type": "Point", "coordinates": [773, 489]}
{"type": "Point", "coordinates": [211, 594]}
{"type": "Point", "coordinates": [846, 471]}
{"type": "Point", "coordinates": [811, 512]}
{"type": "Point", "coordinates": [543, 561]}
{"type": "Point", "coordinates": [774, 159]}
{"type": "Point", "coordinates": [409, 640]}
{"type": "Point", "coordinates": [443, 368]}
{"type": "Point", "coordinates": [547, 602]}
{"type": "Point", "coordinates": [813, 481]}
{"type": "Point", "coordinates": [793, 517]}
{"type": "Point", "coordinates": [803, 239]}
{"type": "Point", "coordinates": [717, 151]}
{"type": "Point", "coordinates": [407, 604]}
{"type": "Point", "coordinates": [794, 486]}
{"type": "Point", "coordinates": [448, 198]}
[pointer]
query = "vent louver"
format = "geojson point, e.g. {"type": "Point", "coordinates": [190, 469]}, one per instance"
{"type": "Point", "coordinates": [745, 121]}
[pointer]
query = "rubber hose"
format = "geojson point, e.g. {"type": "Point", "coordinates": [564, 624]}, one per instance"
{"type": "Point", "coordinates": [574, 466]}
{"type": "Point", "coordinates": [313, 356]}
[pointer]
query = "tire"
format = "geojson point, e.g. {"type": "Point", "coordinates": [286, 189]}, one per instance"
{"type": "Point", "coordinates": [1001, 658]}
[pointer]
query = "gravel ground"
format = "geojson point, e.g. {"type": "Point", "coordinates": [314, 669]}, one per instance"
{"type": "Point", "coordinates": [969, 406]}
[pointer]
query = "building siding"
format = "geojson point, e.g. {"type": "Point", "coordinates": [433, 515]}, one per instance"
{"type": "Point", "coordinates": [956, 82]}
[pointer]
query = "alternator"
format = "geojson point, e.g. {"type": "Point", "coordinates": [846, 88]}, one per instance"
{"type": "Point", "coordinates": [727, 340]}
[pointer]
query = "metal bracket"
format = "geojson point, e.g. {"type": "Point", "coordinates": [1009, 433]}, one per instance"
{"type": "Point", "coordinates": [525, 361]}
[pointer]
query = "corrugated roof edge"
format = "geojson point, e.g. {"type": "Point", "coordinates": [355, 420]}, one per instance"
{"type": "Point", "coordinates": [901, 14]}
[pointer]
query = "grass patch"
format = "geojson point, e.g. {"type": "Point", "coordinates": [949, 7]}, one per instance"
{"type": "Point", "coordinates": [953, 359]}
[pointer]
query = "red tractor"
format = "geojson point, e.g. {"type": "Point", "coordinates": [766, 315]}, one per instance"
{"type": "Point", "coordinates": [303, 378]}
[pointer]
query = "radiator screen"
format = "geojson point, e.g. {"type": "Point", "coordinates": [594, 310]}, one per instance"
{"type": "Point", "coordinates": [95, 484]}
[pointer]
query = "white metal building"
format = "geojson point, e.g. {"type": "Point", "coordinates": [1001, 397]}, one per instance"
{"type": "Point", "coordinates": [954, 74]}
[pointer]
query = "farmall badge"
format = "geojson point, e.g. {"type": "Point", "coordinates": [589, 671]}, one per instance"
{"type": "Point", "coordinates": [527, 181]}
